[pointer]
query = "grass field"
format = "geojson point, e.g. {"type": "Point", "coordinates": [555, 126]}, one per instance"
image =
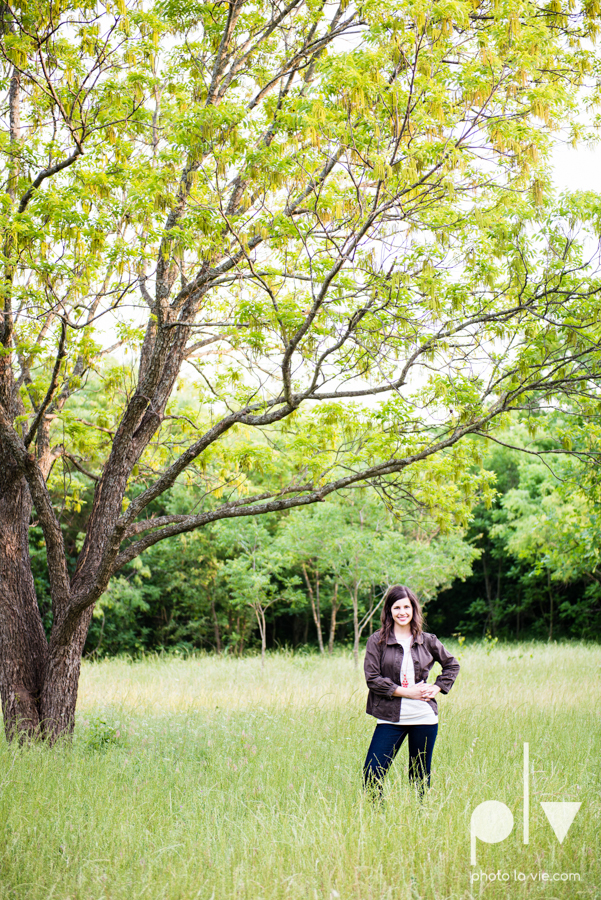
{"type": "Point", "coordinates": [209, 778]}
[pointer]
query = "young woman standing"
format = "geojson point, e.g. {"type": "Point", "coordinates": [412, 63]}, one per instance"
{"type": "Point", "coordinates": [398, 659]}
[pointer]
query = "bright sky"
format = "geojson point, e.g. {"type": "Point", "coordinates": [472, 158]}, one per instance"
{"type": "Point", "coordinates": [577, 170]}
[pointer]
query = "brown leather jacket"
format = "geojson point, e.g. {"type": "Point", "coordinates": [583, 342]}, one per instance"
{"type": "Point", "coordinates": [383, 667]}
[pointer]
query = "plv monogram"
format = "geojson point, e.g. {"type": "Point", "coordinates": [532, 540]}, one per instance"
{"type": "Point", "coordinates": [492, 821]}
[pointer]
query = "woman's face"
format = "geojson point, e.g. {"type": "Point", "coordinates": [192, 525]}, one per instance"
{"type": "Point", "coordinates": [402, 611]}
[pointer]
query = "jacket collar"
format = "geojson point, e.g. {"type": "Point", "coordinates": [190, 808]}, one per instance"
{"type": "Point", "coordinates": [418, 640]}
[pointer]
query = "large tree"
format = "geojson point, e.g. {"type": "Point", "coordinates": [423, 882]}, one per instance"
{"type": "Point", "coordinates": [328, 219]}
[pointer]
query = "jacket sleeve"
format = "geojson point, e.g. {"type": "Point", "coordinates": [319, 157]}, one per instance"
{"type": "Point", "coordinates": [450, 666]}
{"type": "Point", "coordinates": [372, 666]}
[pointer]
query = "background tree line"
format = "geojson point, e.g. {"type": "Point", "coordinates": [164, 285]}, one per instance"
{"type": "Point", "coordinates": [524, 565]}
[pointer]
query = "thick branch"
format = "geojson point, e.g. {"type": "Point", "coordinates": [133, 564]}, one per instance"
{"type": "Point", "coordinates": [55, 549]}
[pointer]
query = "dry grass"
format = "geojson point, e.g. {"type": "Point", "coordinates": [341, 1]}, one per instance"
{"type": "Point", "coordinates": [210, 778]}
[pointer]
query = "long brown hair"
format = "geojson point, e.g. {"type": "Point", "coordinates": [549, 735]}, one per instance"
{"type": "Point", "coordinates": [394, 593]}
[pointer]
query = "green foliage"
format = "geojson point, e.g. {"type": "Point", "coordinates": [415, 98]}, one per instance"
{"type": "Point", "coordinates": [101, 735]}
{"type": "Point", "coordinates": [182, 594]}
{"type": "Point", "coordinates": [537, 538]}
{"type": "Point", "coordinates": [162, 603]}
{"type": "Point", "coordinates": [539, 571]}
{"type": "Point", "coordinates": [404, 111]}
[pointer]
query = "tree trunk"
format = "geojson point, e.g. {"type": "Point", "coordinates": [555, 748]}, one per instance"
{"type": "Point", "coordinates": [315, 605]}
{"type": "Point", "coordinates": [489, 623]}
{"type": "Point", "coordinates": [335, 607]}
{"type": "Point", "coordinates": [218, 644]}
{"type": "Point", "coordinates": [59, 693]}
{"type": "Point", "coordinates": [550, 606]}
{"type": "Point", "coordinates": [260, 614]}
{"type": "Point", "coordinates": [370, 613]}
{"type": "Point", "coordinates": [243, 635]}
{"type": "Point", "coordinates": [23, 645]}
{"type": "Point", "coordinates": [356, 632]}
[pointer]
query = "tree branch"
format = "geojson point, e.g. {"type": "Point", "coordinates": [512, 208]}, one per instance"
{"type": "Point", "coordinates": [55, 548]}
{"type": "Point", "coordinates": [51, 388]}
{"type": "Point", "coordinates": [48, 173]}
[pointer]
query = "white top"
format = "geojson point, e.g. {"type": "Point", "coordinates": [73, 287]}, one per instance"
{"type": "Point", "coordinates": [413, 712]}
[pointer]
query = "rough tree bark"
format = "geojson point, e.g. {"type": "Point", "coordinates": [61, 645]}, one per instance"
{"type": "Point", "coordinates": [23, 645]}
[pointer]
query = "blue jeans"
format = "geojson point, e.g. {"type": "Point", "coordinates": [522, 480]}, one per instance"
{"type": "Point", "coordinates": [386, 743]}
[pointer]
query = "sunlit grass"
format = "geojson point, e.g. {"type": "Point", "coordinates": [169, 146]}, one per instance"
{"type": "Point", "coordinates": [215, 779]}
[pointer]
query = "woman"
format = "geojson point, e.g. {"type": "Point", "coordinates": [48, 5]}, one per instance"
{"type": "Point", "coordinates": [398, 659]}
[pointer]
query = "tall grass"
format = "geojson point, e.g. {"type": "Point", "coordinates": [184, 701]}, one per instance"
{"type": "Point", "coordinates": [210, 778]}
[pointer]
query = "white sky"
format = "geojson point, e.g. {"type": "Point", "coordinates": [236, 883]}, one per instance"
{"type": "Point", "coordinates": [577, 170]}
